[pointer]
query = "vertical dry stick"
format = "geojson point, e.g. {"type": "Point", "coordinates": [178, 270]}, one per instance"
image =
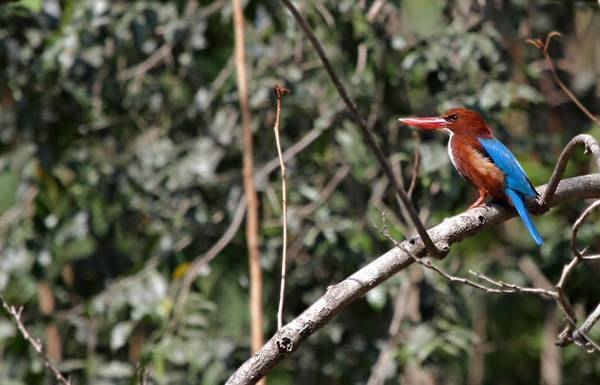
{"type": "Point", "coordinates": [279, 92]}
{"type": "Point", "coordinates": [256, 314]}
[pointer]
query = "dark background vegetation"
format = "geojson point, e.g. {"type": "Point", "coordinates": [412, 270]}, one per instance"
{"type": "Point", "coordinates": [115, 175]}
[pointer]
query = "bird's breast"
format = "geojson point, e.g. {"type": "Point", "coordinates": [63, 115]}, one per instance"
{"type": "Point", "coordinates": [470, 160]}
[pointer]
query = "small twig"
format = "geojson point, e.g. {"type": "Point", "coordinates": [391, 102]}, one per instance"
{"type": "Point", "coordinates": [578, 224]}
{"type": "Point", "coordinates": [16, 314]}
{"type": "Point", "coordinates": [563, 300]}
{"type": "Point", "coordinates": [368, 136]}
{"type": "Point", "coordinates": [279, 93]}
{"type": "Point", "coordinates": [543, 46]}
{"type": "Point", "coordinates": [512, 288]}
{"type": "Point", "coordinates": [340, 295]}
{"type": "Point", "coordinates": [591, 257]}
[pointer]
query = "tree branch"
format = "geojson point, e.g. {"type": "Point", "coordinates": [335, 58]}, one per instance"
{"type": "Point", "coordinates": [338, 296]}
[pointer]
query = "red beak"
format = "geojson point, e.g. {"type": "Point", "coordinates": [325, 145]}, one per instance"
{"type": "Point", "coordinates": [429, 123]}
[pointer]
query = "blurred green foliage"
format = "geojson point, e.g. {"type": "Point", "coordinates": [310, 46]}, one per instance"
{"type": "Point", "coordinates": [120, 163]}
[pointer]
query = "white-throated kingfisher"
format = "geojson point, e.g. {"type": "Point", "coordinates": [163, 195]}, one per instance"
{"type": "Point", "coordinates": [483, 160]}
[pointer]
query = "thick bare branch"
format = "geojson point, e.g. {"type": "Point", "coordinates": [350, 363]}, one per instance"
{"type": "Point", "coordinates": [338, 296]}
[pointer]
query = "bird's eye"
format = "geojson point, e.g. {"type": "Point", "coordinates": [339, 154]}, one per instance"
{"type": "Point", "coordinates": [452, 118]}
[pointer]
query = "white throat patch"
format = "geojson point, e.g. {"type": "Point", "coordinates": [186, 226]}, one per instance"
{"type": "Point", "coordinates": [450, 155]}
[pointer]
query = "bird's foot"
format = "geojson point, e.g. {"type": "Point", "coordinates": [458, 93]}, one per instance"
{"type": "Point", "coordinates": [479, 202]}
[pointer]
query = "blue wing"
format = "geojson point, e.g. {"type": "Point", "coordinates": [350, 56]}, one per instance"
{"type": "Point", "coordinates": [517, 183]}
{"type": "Point", "coordinates": [516, 178]}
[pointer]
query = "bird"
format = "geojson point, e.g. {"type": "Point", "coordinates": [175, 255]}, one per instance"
{"type": "Point", "coordinates": [483, 160]}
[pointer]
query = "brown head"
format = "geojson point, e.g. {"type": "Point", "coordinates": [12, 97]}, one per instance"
{"type": "Point", "coordinates": [459, 121]}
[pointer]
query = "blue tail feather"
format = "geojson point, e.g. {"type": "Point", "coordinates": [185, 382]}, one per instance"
{"type": "Point", "coordinates": [519, 205]}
